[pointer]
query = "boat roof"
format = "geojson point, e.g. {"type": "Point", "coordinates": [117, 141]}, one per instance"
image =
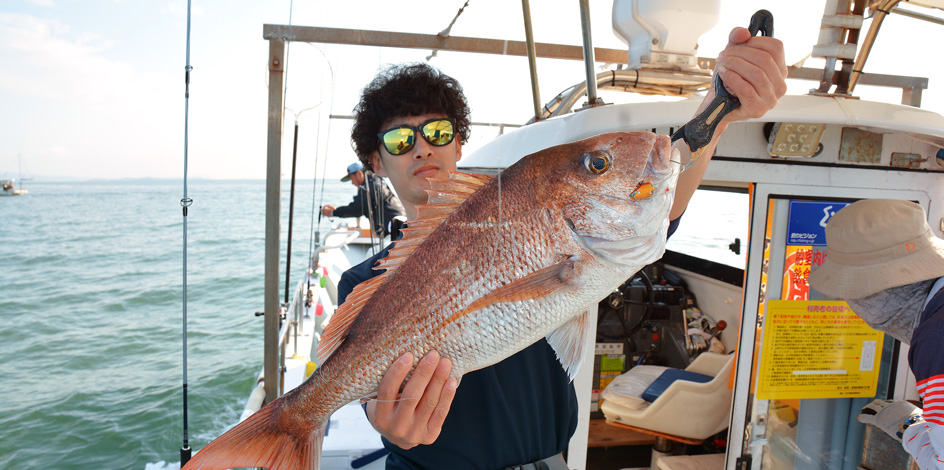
{"type": "Point", "coordinates": [883, 118]}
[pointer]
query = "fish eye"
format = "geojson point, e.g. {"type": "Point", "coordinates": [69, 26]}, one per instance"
{"type": "Point", "coordinates": [597, 162]}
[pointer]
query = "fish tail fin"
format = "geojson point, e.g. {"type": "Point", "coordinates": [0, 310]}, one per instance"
{"type": "Point", "coordinates": [260, 441]}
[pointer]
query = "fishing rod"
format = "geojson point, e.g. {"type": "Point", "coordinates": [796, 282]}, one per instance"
{"type": "Point", "coordinates": [291, 211]}
{"type": "Point", "coordinates": [291, 199]}
{"type": "Point", "coordinates": [185, 202]}
{"type": "Point", "coordinates": [314, 238]}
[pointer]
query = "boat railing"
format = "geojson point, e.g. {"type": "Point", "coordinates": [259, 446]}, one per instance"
{"type": "Point", "coordinates": [351, 236]}
{"type": "Point", "coordinates": [293, 322]}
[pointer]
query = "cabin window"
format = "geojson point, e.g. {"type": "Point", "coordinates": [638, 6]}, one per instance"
{"type": "Point", "coordinates": [714, 226]}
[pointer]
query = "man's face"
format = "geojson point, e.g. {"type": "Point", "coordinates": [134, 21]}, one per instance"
{"type": "Point", "coordinates": [357, 178]}
{"type": "Point", "coordinates": [409, 172]}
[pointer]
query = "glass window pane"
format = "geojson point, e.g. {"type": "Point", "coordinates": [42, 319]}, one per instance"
{"type": "Point", "coordinates": [713, 221]}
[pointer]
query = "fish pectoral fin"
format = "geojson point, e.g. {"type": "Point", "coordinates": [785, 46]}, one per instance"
{"type": "Point", "coordinates": [533, 286]}
{"type": "Point", "coordinates": [569, 342]}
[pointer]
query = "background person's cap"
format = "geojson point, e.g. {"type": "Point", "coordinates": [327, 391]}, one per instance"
{"type": "Point", "coordinates": [876, 244]}
{"type": "Point", "coordinates": [351, 169]}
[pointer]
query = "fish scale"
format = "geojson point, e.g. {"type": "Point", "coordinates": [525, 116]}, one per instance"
{"type": "Point", "coordinates": [478, 280]}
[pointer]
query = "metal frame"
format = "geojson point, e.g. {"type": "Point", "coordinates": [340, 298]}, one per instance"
{"type": "Point", "coordinates": [279, 35]}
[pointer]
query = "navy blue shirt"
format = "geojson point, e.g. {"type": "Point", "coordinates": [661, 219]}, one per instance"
{"type": "Point", "coordinates": [517, 411]}
{"type": "Point", "coordinates": [926, 357]}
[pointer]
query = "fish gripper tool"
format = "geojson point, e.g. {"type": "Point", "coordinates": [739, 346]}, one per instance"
{"type": "Point", "coordinates": [698, 132]}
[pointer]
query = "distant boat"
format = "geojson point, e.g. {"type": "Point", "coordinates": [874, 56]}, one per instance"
{"type": "Point", "coordinates": [9, 188]}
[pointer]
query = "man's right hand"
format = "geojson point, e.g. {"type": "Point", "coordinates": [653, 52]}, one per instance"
{"type": "Point", "coordinates": [418, 415]}
{"type": "Point", "coordinates": [326, 210]}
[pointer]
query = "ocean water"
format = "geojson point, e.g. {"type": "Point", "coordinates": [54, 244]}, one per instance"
{"type": "Point", "coordinates": [90, 302]}
{"type": "Point", "coordinates": [91, 309]}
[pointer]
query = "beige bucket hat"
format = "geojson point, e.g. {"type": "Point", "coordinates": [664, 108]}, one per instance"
{"type": "Point", "coordinates": [876, 244]}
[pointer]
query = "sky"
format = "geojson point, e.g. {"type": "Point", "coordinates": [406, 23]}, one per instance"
{"type": "Point", "coordinates": [95, 88]}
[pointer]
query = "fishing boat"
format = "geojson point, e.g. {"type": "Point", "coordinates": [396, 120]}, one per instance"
{"type": "Point", "coordinates": [778, 179]}
{"type": "Point", "coordinates": [9, 188]}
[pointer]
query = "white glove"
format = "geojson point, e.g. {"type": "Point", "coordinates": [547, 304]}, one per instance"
{"type": "Point", "coordinates": [891, 416]}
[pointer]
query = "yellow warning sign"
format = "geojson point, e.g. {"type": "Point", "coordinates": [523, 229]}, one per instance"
{"type": "Point", "coordinates": [817, 349]}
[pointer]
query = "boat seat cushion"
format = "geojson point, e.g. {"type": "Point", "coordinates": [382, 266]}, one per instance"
{"type": "Point", "coordinates": [668, 377]}
{"type": "Point", "coordinates": [627, 389]}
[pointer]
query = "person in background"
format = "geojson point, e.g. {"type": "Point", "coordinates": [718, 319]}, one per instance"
{"type": "Point", "coordinates": [884, 261]}
{"type": "Point", "coordinates": [373, 200]}
{"type": "Point", "coordinates": [410, 125]}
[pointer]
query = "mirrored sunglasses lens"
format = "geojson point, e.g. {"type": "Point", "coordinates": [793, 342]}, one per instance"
{"type": "Point", "coordinates": [398, 141]}
{"type": "Point", "coordinates": [438, 133]}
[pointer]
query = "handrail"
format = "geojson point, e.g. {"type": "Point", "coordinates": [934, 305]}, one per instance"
{"type": "Point", "coordinates": [293, 325]}
{"type": "Point", "coordinates": [353, 236]}
{"type": "Point", "coordinates": [257, 397]}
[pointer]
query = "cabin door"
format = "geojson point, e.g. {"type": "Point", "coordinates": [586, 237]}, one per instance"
{"type": "Point", "coordinates": [806, 364]}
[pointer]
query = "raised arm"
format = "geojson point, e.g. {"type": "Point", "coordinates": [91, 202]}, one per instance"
{"type": "Point", "coordinates": [753, 69]}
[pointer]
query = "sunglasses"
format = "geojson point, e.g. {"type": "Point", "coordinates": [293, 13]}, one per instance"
{"type": "Point", "coordinates": [437, 132]}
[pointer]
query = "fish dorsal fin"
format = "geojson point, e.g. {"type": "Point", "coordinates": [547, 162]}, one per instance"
{"type": "Point", "coordinates": [569, 342]}
{"type": "Point", "coordinates": [336, 329]}
{"type": "Point", "coordinates": [444, 197]}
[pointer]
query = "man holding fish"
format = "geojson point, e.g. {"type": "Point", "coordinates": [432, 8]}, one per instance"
{"type": "Point", "coordinates": [521, 411]}
{"type": "Point", "coordinates": [490, 282]}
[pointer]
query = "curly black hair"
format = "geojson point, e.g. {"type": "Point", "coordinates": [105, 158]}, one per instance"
{"type": "Point", "coordinates": [409, 89]}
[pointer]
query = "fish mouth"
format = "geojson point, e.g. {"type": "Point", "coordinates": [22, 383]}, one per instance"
{"type": "Point", "coordinates": [661, 157]}
{"type": "Point", "coordinates": [628, 230]}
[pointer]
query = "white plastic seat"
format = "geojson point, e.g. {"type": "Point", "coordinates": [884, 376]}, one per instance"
{"type": "Point", "coordinates": [686, 409]}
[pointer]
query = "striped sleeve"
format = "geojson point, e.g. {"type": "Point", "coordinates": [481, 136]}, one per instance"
{"type": "Point", "coordinates": [925, 441]}
{"type": "Point", "coordinates": [931, 391]}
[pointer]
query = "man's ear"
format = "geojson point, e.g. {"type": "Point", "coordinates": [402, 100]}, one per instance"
{"type": "Point", "coordinates": [458, 147]}
{"type": "Point", "coordinates": [377, 163]}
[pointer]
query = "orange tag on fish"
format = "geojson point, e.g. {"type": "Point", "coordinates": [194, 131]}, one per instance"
{"type": "Point", "coordinates": [643, 191]}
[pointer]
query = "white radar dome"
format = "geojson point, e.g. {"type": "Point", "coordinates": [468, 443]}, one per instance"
{"type": "Point", "coordinates": [663, 33]}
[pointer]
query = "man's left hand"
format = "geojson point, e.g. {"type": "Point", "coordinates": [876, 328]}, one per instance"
{"type": "Point", "coordinates": [754, 70]}
{"type": "Point", "coordinates": [889, 415]}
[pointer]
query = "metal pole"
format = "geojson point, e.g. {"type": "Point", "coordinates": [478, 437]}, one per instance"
{"type": "Point", "coordinates": [273, 192]}
{"type": "Point", "coordinates": [532, 59]}
{"type": "Point", "coordinates": [918, 16]}
{"type": "Point", "coordinates": [185, 451]}
{"type": "Point", "coordinates": [588, 59]}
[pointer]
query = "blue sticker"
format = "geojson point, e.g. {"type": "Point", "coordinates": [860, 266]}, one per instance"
{"type": "Point", "coordinates": [807, 220]}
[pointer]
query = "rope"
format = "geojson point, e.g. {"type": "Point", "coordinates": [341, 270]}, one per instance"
{"type": "Point", "coordinates": [185, 202]}
{"type": "Point", "coordinates": [445, 33]}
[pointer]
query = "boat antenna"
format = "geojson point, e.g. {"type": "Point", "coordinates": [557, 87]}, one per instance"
{"type": "Point", "coordinates": [185, 202]}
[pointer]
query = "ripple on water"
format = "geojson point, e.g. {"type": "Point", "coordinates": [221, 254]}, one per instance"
{"type": "Point", "coordinates": [90, 298]}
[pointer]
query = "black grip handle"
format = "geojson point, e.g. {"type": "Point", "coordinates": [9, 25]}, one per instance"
{"type": "Point", "coordinates": [763, 22]}
{"type": "Point", "coordinates": [698, 132]}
